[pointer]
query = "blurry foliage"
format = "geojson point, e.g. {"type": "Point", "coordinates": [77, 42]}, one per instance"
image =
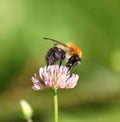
{"type": "Point", "coordinates": [93, 25]}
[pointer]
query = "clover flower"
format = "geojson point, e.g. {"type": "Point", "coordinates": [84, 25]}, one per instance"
{"type": "Point", "coordinates": [54, 76]}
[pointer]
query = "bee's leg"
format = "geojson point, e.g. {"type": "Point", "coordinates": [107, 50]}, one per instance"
{"type": "Point", "coordinates": [71, 69]}
{"type": "Point", "coordinates": [69, 65]}
{"type": "Point", "coordinates": [60, 63]}
{"type": "Point", "coordinates": [75, 69]}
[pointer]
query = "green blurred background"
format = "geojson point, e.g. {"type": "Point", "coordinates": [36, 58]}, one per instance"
{"type": "Point", "coordinates": [92, 25]}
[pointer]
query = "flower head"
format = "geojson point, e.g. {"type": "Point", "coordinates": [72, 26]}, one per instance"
{"type": "Point", "coordinates": [54, 76]}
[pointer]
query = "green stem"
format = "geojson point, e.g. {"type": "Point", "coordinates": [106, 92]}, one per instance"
{"type": "Point", "coordinates": [55, 106]}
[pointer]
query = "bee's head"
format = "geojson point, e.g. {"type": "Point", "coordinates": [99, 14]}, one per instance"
{"type": "Point", "coordinates": [73, 60]}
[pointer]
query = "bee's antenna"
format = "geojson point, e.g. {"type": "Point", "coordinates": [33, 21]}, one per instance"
{"type": "Point", "coordinates": [55, 41]}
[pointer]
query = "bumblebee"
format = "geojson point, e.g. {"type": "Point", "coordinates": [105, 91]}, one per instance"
{"type": "Point", "coordinates": [69, 53]}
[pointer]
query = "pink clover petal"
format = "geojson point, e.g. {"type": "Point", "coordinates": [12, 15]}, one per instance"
{"type": "Point", "coordinates": [48, 68]}
{"type": "Point", "coordinates": [61, 81]}
{"type": "Point", "coordinates": [41, 71]}
{"type": "Point", "coordinates": [61, 69]}
{"type": "Point", "coordinates": [37, 84]}
{"type": "Point", "coordinates": [49, 82]}
{"type": "Point", "coordinates": [66, 71]}
{"type": "Point", "coordinates": [54, 77]}
{"type": "Point", "coordinates": [56, 67]}
{"type": "Point", "coordinates": [72, 81]}
{"type": "Point", "coordinates": [46, 75]}
{"type": "Point", "coordinates": [35, 80]}
{"type": "Point", "coordinates": [53, 72]}
{"type": "Point", "coordinates": [35, 87]}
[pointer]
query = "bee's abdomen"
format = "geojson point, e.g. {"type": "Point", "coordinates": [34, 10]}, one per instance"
{"type": "Point", "coordinates": [54, 54]}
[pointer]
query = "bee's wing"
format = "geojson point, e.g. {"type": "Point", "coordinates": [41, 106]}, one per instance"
{"type": "Point", "coordinates": [58, 42]}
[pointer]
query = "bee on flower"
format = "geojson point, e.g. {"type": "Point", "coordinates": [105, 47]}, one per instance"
{"type": "Point", "coordinates": [69, 53]}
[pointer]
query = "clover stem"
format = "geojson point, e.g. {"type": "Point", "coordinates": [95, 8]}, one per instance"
{"type": "Point", "coordinates": [55, 105]}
